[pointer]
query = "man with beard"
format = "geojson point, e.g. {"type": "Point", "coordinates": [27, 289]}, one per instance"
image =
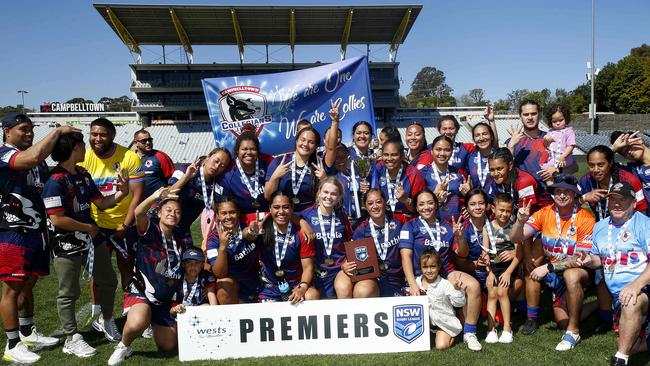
{"type": "Point", "coordinates": [24, 254]}
{"type": "Point", "coordinates": [157, 166]}
{"type": "Point", "coordinates": [104, 161]}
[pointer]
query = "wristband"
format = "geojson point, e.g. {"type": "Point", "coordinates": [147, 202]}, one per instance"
{"type": "Point", "coordinates": [302, 283]}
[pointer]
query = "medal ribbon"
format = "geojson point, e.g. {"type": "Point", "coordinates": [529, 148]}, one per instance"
{"type": "Point", "coordinates": [256, 178]}
{"type": "Point", "coordinates": [295, 187]}
{"type": "Point", "coordinates": [328, 243]}
{"type": "Point", "coordinates": [564, 242]}
{"type": "Point", "coordinates": [382, 250]}
{"type": "Point", "coordinates": [392, 201]}
{"type": "Point", "coordinates": [437, 240]}
{"type": "Point", "coordinates": [279, 256]}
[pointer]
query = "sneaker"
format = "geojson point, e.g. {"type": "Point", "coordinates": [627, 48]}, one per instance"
{"type": "Point", "coordinates": [569, 340]}
{"type": "Point", "coordinates": [20, 354]}
{"type": "Point", "coordinates": [37, 340]}
{"type": "Point", "coordinates": [148, 333]}
{"type": "Point", "coordinates": [506, 337]}
{"type": "Point", "coordinates": [120, 354]}
{"type": "Point", "coordinates": [617, 362]}
{"type": "Point", "coordinates": [472, 341]}
{"type": "Point", "coordinates": [77, 346]}
{"type": "Point", "coordinates": [492, 337]}
{"type": "Point", "coordinates": [529, 327]}
{"type": "Point", "coordinates": [108, 327]}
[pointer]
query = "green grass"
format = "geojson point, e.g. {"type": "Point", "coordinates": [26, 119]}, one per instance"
{"type": "Point", "coordinates": [536, 349]}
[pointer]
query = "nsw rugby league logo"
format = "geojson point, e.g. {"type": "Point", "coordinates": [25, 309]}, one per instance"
{"type": "Point", "coordinates": [242, 106]}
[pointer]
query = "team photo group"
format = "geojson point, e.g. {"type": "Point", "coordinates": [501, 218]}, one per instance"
{"type": "Point", "coordinates": [480, 229]}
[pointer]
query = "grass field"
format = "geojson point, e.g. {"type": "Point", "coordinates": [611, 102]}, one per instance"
{"type": "Point", "coordinates": [526, 350]}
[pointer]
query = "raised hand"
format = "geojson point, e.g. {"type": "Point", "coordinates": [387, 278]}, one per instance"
{"type": "Point", "coordinates": [459, 285]}
{"type": "Point", "coordinates": [319, 170]}
{"type": "Point", "coordinates": [466, 186]}
{"type": "Point", "coordinates": [193, 168]}
{"type": "Point", "coordinates": [122, 182]}
{"type": "Point", "coordinates": [458, 225]}
{"type": "Point", "coordinates": [400, 193]}
{"type": "Point", "coordinates": [489, 113]}
{"type": "Point", "coordinates": [224, 236]}
{"type": "Point", "coordinates": [515, 134]}
{"type": "Point", "coordinates": [523, 214]}
{"type": "Point", "coordinates": [282, 169]}
{"type": "Point", "coordinates": [334, 109]}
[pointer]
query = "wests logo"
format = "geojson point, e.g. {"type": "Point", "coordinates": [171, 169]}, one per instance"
{"type": "Point", "coordinates": [243, 105]}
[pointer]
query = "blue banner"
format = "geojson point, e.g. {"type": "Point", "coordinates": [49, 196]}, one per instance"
{"type": "Point", "coordinates": [274, 103]}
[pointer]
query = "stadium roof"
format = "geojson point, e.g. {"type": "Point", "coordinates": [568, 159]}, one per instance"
{"type": "Point", "coordinates": [187, 25]}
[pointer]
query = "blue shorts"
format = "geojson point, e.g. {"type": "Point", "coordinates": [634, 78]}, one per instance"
{"type": "Point", "coordinates": [159, 313]}
{"type": "Point", "coordinates": [23, 255]}
{"type": "Point", "coordinates": [249, 287]}
{"type": "Point", "coordinates": [391, 286]}
{"type": "Point", "coordinates": [325, 284]}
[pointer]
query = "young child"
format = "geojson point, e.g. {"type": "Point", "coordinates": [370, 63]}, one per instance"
{"type": "Point", "coordinates": [502, 271]}
{"type": "Point", "coordinates": [560, 140]}
{"type": "Point", "coordinates": [443, 297]}
{"type": "Point", "coordinates": [199, 285]}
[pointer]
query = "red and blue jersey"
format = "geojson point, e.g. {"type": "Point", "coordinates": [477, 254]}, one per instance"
{"type": "Point", "coordinates": [71, 193]}
{"type": "Point", "coordinates": [159, 272]}
{"type": "Point", "coordinates": [642, 172]}
{"type": "Point", "coordinates": [452, 206]}
{"type": "Point", "coordinates": [21, 205]}
{"type": "Point", "coordinates": [158, 168]}
{"type": "Point", "coordinates": [410, 179]}
{"type": "Point", "coordinates": [460, 154]}
{"type": "Point", "coordinates": [394, 274]}
{"type": "Point", "coordinates": [243, 258]}
{"type": "Point", "coordinates": [233, 185]}
{"type": "Point", "coordinates": [191, 197]}
{"type": "Point", "coordinates": [422, 159]}
{"type": "Point", "coordinates": [530, 154]}
{"type": "Point", "coordinates": [307, 189]}
{"type": "Point", "coordinates": [523, 190]}
{"type": "Point", "coordinates": [342, 233]}
{"type": "Point", "coordinates": [415, 236]}
{"type": "Point", "coordinates": [587, 184]}
{"type": "Point", "coordinates": [471, 167]}
{"type": "Point", "coordinates": [626, 257]}
{"type": "Point", "coordinates": [291, 264]}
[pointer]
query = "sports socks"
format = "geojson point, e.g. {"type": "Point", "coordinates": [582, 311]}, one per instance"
{"type": "Point", "coordinates": [12, 337]}
{"type": "Point", "coordinates": [26, 324]}
{"type": "Point", "coordinates": [532, 312]}
{"type": "Point", "coordinates": [469, 328]}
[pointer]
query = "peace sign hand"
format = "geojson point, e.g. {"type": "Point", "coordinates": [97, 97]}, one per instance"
{"type": "Point", "coordinates": [224, 236]}
{"type": "Point", "coordinates": [334, 109]}
{"type": "Point", "coordinates": [122, 182]}
{"type": "Point", "coordinates": [319, 170]}
{"type": "Point", "coordinates": [282, 169]}
{"type": "Point", "coordinates": [515, 134]}
{"type": "Point", "coordinates": [466, 186]}
{"type": "Point", "coordinates": [193, 168]}
{"type": "Point", "coordinates": [459, 285]}
{"type": "Point", "coordinates": [400, 193]}
{"type": "Point", "coordinates": [523, 214]}
{"type": "Point", "coordinates": [458, 226]}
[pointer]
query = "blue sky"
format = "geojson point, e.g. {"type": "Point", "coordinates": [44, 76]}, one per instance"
{"type": "Point", "coordinates": [57, 50]}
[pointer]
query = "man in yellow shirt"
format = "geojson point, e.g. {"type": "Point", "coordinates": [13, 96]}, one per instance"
{"type": "Point", "coordinates": [104, 161]}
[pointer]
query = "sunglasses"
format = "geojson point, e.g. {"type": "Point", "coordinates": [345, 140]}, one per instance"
{"type": "Point", "coordinates": [144, 141]}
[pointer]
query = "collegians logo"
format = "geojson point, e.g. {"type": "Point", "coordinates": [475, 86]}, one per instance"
{"type": "Point", "coordinates": [243, 105]}
{"type": "Point", "coordinates": [408, 322]}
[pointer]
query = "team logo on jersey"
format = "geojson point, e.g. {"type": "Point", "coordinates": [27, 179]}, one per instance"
{"type": "Point", "coordinates": [392, 225]}
{"type": "Point", "coordinates": [408, 322]}
{"type": "Point", "coordinates": [148, 163]}
{"type": "Point", "coordinates": [243, 106]}
{"type": "Point", "coordinates": [361, 253]}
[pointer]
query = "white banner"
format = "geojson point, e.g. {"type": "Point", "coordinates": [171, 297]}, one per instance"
{"type": "Point", "coordinates": [378, 325]}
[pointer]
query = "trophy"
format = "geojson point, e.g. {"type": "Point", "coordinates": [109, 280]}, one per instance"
{"type": "Point", "coordinates": [363, 166]}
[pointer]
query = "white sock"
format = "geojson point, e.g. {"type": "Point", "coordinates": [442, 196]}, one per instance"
{"type": "Point", "coordinates": [622, 356]}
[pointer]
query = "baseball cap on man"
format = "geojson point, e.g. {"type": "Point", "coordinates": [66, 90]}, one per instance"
{"type": "Point", "coordinates": [193, 254]}
{"type": "Point", "coordinates": [565, 181]}
{"type": "Point", "coordinates": [12, 120]}
{"type": "Point", "coordinates": [622, 189]}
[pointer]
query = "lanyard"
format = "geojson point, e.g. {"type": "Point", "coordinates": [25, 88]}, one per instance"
{"type": "Point", "coordinates": [170, 270]}
{"type": "Point", "coordinates": [392, 187]}
{"type": "Point", "coordinates": [479, 234]}
{"type": "Point", "coordinates": [204, 190]}
{"type": "Point", "coordinates": [90, 260]}
{"type": "Point", "coordinates": [611, 247]}
{"type": "Point", "coordinates": [482, 171]}
{"type": "Point", "coordinates": [491, 238]}
{"type": "Point", "coordinates": [437, 240]}
{"type": "Point", "coordinates": [327, 242]}
{"type": "Point", "coordinates": [564, 242]}
{"type": "Point", "coordinates": [355, 188]}
{"type": "Point", "coordinates": [602, 211]}
{"type": "Point", "coordinates": [382, 248]}
{"type": "Point", "coordinates": [279, 256]}
{"type": "Point", "coordinates": [435, 175]}
{"type": "Point", "coordinates": [256, 178]}
{"type": "Point", "coordinates": [187, 298]}
{"type": "Point", "coordinates": [359, 153]}
{"type": "Point", "coordinates": [234, 239]}
{"type": "Point", "coordinates": [295, 186]}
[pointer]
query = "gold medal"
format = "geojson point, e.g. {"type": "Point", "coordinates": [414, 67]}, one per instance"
{"type": "Point", "coordinates": [255, 205]}
{"type": "Point", "coordinates": [295, 200]}
{"type": "Point", "coordinates": [329, 261]}
{"type": "Point", "coordinates": [279, 273]}
{"type": "Point", "coordinates": [383, 266]}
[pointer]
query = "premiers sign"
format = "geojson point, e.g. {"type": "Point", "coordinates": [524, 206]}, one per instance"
{"type": "Point", "coordinates": [378, 325]}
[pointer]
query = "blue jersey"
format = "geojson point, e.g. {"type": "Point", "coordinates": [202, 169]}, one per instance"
{"type": "Point", "coordinates": [233, 185]}
{"type": "Point", "coordinates": [450, 208]}
{"type": "Point", "coordinates": [191, 197]}
{"type": "Point", "coordinates": [307, 189]}
{"type": "Point", "coordinates": [628, 254]}
{"type": "Point", "coordinates": [195, 294]}
{"type": "Point", "coordinates": [21, 205]}
{"type": "Point", "coordinates": [291, 264]}
{"type": "Point", "coordinates": [356, 155]}
{"type": "Point", "coordinates": [530, 154]}
{"type": "Point", "coordinates": [476, 162]}
{"type": "Point", "coordinates": [459, 154]}
{"type": "Point", "coordinates": [393, 260]}
{"type": "Point", "coordinates": [342, 233]}
{"type": "Point", "coordinates": [159, 272]}
{"type": "Point", "coordinates": [410, 179]}
{"type": "Point", "coordinates": [243, 257]}
{"type": "Point", "coordinates": [474, 239]}
{"type": "Point", "coordinates": [158, 168]}
{"type": "Point", "coordinates": [642, 172]}
{"type": "Point", "coordinates": [415, 236]}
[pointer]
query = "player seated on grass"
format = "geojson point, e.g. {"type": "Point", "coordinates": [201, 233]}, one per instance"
{"type": "Point", "coordinates": [157, 284]}
{"type": "Point", "coordinates": [566, 230]}
{"type": "Point", "coordinates": [501, 278]}
{"type": "Point", "coordinates": [443, 296]}
{"type": "Point", "coordinates": [621, 248]}
{"type": "Point", "coordinates": [198, 283]}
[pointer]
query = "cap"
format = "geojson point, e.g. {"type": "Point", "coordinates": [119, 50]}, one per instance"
{"type": "Point", "coordinates": [193, 254]}
{"type": "Point", "coordinates": [566, 181]}
{"type": "Point", "coordinates": [623, 189]}
{"type": "Point", "coordinates": [14, 119]}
